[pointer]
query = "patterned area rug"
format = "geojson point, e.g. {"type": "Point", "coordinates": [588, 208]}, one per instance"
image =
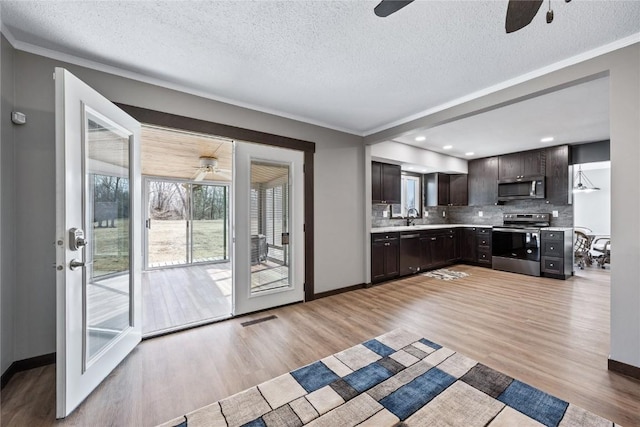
{"type": "Point", "coordinates": [445, 274]}
{"type": "Point", "coordinates": [397, 379]}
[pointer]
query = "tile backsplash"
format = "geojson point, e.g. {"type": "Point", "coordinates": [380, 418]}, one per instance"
{"type": "Point", "coordinates": [491, 214]}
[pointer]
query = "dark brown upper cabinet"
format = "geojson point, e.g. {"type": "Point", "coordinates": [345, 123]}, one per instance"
{"type": "Point", "coordinates": [458, 192]}
{"type": "Point", "coordinates": [520, 165]}
{"type": "Point", "coordinates": [483, 181]}
{"type": "Point", "coordinates": [441, 189]}
{"type": "Point", "coordinates": [436, 189]}
{"type": "Point", "coordinates": [385, 183]}
{"type": "Point", "coordinates": [557, 175]}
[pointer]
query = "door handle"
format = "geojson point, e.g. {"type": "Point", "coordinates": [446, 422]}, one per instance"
{"type": "Point", "coordinates": [75, 264]}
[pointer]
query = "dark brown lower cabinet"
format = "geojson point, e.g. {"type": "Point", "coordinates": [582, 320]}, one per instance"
{"type": "Point", "coordinates": [468, 246]}
{"type": "Point", "coordinates": [399, 254]}
{"type": "Point", "coordinates": [385, 256]}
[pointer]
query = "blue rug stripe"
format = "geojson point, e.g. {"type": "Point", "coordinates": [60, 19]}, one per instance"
{"type": "Point", "coordinates": [430, 344]}
{"type": "Point", "coordinates": [535, 403]}
{"type": "Point", "coordinates": [314, 376]}
{"type": "Point", "coordinates": [377, 347]}
{"type": "Point", "coordinates": [258, 422]}
{"type": "Point", "coordinates": [417, 393]}
{"type": "Point", "coordinates": [365, 378]}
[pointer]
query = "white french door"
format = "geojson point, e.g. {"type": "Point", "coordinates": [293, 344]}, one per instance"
{"type": "Point", "coordinates": [268, 215]}
{"type": "Point", "coordinates": [98, 239]}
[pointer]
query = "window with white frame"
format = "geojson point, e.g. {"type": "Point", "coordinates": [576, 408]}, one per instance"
{"type": "Point", "coordinates": [410, 195]}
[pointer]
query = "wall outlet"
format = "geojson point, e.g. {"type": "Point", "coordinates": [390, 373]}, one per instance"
{"type": "Point", "coordinates": [444, 214]}
{"type": "Point", "coordinates": [385, 214]}
{"type": "Point", "coordinates": [426, 214]}
{"type": "Point", "coordinates": [480, 213]}
{"type": "Point", "coordinates": [555, 214]}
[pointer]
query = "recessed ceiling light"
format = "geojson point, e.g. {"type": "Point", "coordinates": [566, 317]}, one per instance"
{"type": "Point", "coordinates": [547, 139]}
{"type": "Point", "coordinates": [447, 147]}
{"type": "Point", "coordinates": [420, 138]}
{"type": "Point", "coordinates": [470, 153]}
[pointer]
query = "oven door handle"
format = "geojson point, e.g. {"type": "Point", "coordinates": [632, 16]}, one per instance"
{"type": "Point", "coordinates": [516, 230]}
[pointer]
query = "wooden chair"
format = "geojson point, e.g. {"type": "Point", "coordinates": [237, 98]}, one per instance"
{"type": "Point", "coordinates": [582, 249]}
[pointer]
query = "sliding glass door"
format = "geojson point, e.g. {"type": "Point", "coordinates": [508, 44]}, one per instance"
{"type": "Point", "coordinates": [186, 223]}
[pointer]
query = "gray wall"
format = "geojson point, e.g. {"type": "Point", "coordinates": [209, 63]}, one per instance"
{"type": "Point", "coordinates": [7, 270]}
{"type": "Point", "coordinates": [339, 179]}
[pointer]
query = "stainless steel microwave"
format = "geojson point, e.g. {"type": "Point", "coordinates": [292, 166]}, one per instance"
{"type": "Point", "coordinates": [521, 188]}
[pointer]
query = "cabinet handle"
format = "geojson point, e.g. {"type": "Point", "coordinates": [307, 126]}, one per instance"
{"type": "Point", "coordinates": [551, 235]}
{"type": "Point", "coordinates": [551, 247]}
{"type": "Point", "coordinates": [433, 238]}
{"type": "Point", "coordinates": [551, 265]}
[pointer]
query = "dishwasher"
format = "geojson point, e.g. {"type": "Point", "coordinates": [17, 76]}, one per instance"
{"type": "Point", "coordinates": [409, 253]}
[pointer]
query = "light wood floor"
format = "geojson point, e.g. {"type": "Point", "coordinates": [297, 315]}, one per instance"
{"type": "Point", "coordinates": [181, 296]}
{"type": "Point", "coordinates": [187, 295]}
{"type": "Point", "coordinates": [551, 334]}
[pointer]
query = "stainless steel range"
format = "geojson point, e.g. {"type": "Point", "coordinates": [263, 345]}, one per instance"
{"type": "Point", "coordinates": [516, 245]}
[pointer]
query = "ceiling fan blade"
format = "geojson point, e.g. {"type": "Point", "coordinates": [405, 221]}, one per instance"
{"type": "Point", "coordinates": [223, 174]}
{"type": "Point", "coordinates": [387, 7]}
{"type": "Point", "coordinates": [520, 13]}
{"type": "Point", "coordinates": [200, 175]}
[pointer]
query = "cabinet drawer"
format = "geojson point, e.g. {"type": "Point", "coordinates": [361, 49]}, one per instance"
{"type": "Point", "coordinates": [552, 265]}
{"type": "Point", "coordinates": [484, 255]}
{"type": "Point", "coordinates": [552, 248]}
{"type": "Point", "coordinates": [552, 235]}
{"type": "Point", "coordinates": [384, 237]}
{"type": "Point", "coordinates": [484, 241]}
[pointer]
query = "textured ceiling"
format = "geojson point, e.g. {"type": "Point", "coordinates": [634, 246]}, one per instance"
{"type": "Point", "coordinates": [332, 63]}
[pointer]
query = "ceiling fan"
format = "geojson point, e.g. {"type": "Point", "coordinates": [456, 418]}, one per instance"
{"type": "Point", "coordinates": [209, 165]}
{"type": "Point", "coordinates": [520, 13]}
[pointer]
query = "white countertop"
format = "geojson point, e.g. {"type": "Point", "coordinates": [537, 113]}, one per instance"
{"type": "Point", "coordinates": [557, 229]}
{"type": "Point", "coordinates": [423, 227]}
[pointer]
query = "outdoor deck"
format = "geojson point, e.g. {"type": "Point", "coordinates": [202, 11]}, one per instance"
{"type": "Point", "coordinates": [180, 296]}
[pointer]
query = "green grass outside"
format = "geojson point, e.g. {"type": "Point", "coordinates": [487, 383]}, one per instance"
{"type": "Point", "coordinates": [167, 244]}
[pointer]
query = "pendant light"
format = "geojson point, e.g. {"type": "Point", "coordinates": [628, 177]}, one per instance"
{"type": "Point", "coordinates": [582, 183]}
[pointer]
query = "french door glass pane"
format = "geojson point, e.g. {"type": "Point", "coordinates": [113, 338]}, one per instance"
{"type": "Point", "coordinates": [269, 219]}
{"type": "Point", "coordinates": [107, 254]}
{"type": "Point", "coordinates": [167, 228]}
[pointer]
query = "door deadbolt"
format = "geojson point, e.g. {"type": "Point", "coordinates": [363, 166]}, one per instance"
{"type": "Point", "coordinates": [76, 239]}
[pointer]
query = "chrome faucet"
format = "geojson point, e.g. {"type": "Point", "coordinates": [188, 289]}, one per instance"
{"type": "Point", "coordinates": [415, 213]}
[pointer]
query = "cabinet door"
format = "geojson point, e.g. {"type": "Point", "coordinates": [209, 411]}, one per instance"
{"type": "Point", "coordinates": [510, 166]}
{"type": "Point", "coordinates": [557, 175]}
{"type": "Point", "coordinates": [377, 261]}
{"type": "Point", "coordinates": [533, 162]}
{"type": "Point", "coordinates": [483, 181]}
{"type": "Point", "coordinates": [391, 259]}
{"type": "Point", "coordinates": [458, 194]}
{"type": "Point", "coordinates": [391, 184]}
{"type": "Point", "coordinates": [451, 248]}
{"type": "Point", "coordinates": [443, 189]}
{"type": "Point", "coordinates": [437, 247]}
{"type": "Point", "coordinates": [376, 182]}
{"type": "Point", "coordinates": [468, 245]}
{"type": "Point", "coordinates": [425, 252]}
